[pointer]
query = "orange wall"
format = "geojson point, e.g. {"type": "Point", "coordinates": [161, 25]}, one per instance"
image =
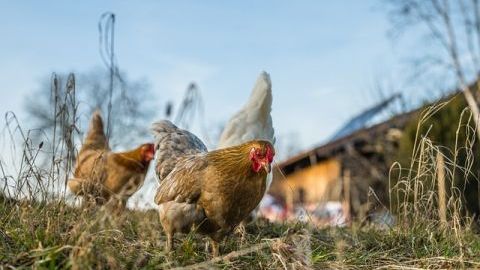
{"type": "Point", "coordinates": [320, 182]}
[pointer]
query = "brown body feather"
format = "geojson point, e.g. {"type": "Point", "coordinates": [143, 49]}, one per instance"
{"type": "Point", "coordinates": [211, 191]}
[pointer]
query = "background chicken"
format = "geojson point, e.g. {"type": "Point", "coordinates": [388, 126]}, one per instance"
{"type": "Point", "coordinates": [102, 174]}
{"type": "Point", "coordinates": [211, 191]}
{"type": "Point", "coordinates": [253, 121]}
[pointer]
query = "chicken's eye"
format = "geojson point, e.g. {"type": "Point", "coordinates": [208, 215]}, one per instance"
{"type": "Point", "coordinates": [257, 154]}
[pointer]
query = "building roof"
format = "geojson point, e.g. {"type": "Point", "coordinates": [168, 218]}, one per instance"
{"type": "Point", "coordinates": [367, 118]}
{"type": "Point", "coordinates": [338, 145]}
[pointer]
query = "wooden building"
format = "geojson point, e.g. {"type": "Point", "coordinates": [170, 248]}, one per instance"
{"type": "Point", "coordinates": [352, 168]}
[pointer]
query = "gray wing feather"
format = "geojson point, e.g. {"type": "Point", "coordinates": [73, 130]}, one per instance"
{"type": "Point", "coordinates": [172, 144]}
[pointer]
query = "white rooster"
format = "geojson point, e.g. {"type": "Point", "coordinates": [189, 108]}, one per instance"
{"type": "Point", "coordinates": [253, 121]}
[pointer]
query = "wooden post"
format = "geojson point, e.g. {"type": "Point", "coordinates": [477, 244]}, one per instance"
{"type": "Point", "coordinates": [442, 203]}
{"type": "Point", "coordinates": [289, 199]}
{"type": "Point", "coordinates": [313, 159]}
{"type": "Point", "coordinates": [346, 194]}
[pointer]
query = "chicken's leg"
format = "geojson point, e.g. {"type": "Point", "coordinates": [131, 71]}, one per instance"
{"type": "Point", "coordinates": [117, 204]}
{"type": "Point", "coordinates": [215, 248]}
{"type": "Point", "coordinates": [169, 244]}
{"type": "Point", "coordinates": [241, 230]}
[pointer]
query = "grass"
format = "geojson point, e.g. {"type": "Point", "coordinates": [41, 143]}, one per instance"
{"type": "Point", "coordinates": [40, 230]}
{"type": "Point", "coordinates": [58, 236]}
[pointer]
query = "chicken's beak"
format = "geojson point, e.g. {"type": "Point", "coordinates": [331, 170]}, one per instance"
{"type": "Point", "coordinates": [267, 167]}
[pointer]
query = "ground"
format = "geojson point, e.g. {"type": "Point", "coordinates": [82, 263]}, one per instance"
{"type": "Point", "coordinates": [57, 236]}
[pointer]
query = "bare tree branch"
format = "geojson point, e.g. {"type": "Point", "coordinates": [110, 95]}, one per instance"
{"type": "Point", "coordinates": [440, 18]}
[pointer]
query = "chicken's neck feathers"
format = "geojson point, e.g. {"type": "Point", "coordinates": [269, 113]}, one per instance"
{"type": "Point", "coordinates": [131, 159]}
{"type": "Point", "coordinates": [233, 160]}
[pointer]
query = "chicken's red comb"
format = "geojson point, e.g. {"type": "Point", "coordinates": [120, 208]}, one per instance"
{"type": "Point", "coordinates": [270, 153]}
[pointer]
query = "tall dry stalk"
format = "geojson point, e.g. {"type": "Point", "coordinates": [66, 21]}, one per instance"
{"type": "Point", "coordinates": [31, 178]}
{"type": "Point", "coordinates": [442, 204]}
{"type": "Point", "coordinates": [347, 200]}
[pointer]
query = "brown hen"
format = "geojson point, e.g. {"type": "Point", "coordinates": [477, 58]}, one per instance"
{"type": "Point", "coordinates": [103, 175]}
{"type": "Point", "coordinates": [210, 192]}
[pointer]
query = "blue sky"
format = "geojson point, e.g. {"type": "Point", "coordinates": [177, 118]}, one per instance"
{"type": "Point", "coordinates": [323, 56]}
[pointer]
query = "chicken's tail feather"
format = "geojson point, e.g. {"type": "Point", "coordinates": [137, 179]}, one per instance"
{"type": "Point", "coordinates": [178, 141]}
{"type": "Point", "coordinates": [262, 92]}
{"type": "Point", "coordinates": [254, 121]}
{"type": "Point", "coordinates": [161, 129]}
{"type": "Point", "coordinates": [172, 143]}
{"type": "Point", "coordinates": [96, 138]}
{"type": "Point", "coordinates": [262, 95]}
